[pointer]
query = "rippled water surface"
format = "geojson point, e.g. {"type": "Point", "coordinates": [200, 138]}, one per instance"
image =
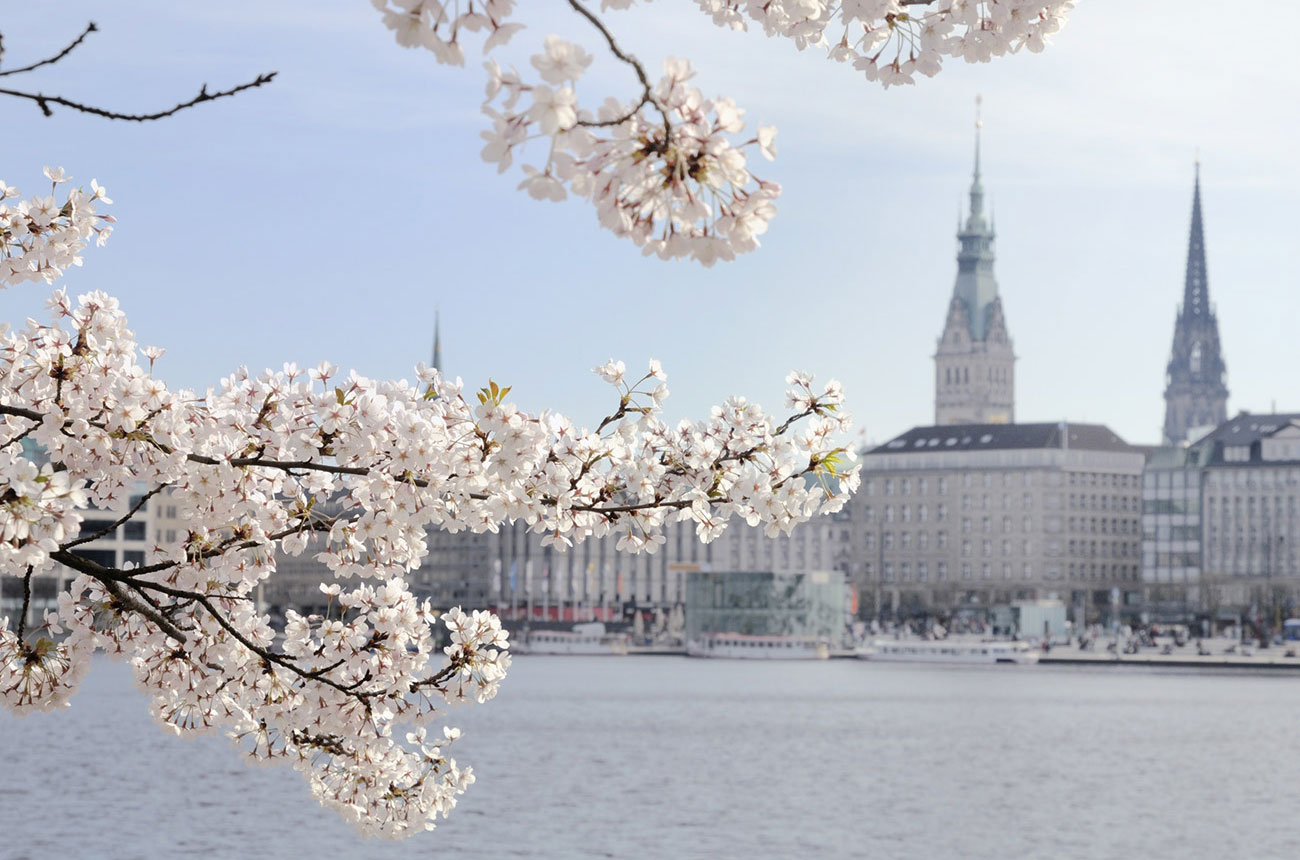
{"type": "Point", "coordinates": [662, 757]}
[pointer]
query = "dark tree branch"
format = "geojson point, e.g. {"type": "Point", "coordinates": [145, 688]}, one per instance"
{"type": "Point", "coordinates": [631, 61]}
{"type": "Point", "coordinates": [43, 101]}
{"type": "Point", "coordinates": [27, 602]}
{"type": "Point", "coordinates": [49, 61]}
{"type": "Point", "coordinates": [109, 529]}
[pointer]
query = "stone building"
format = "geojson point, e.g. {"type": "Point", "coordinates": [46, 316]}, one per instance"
{"type": "Point", "coordinates": [960, 517]}
{"type": "Point", "coordinates": [974, 364]}
{"type": "Point", "coordinates": [1251, 526]}
{"type": "Point", "coordinates": [1196, 393]}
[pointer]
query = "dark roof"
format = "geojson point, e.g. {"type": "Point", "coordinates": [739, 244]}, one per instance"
{"type": "Point", "coordinates": [1245, 430]}
{"type": "Point", "coordinates": [989, 437]}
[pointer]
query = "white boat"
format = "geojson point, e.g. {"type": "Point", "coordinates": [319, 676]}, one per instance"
{"type": "Point", "coordinates": [742, 647]}
{"type": "Point", "coordinates": [589, 639]}
{"type": "Point", "coordinates": [946, 651]}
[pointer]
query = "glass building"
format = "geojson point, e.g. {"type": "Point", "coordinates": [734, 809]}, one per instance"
{"type": "Point", "coordinates": [766, 603]}
{"type": "Point", "coordinates": [1171, 535]}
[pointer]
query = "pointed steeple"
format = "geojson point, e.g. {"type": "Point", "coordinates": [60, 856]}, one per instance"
{"type": "Point", "coordinates": [975, 283]}
{"type": "Point", "coordinates": [1196, 391]}
{"type": "Point", "coordinates": [437, 343]}
{"type": "Point", "coordinates": [975, 361]}
{"type": "Point", "coordinates": [1196, 288]}
{"type": "Point", "coordinates": [976, 187]}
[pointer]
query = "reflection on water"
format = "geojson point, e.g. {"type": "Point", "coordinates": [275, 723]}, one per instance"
{"type": "Point", "coordinates": [667, 757]}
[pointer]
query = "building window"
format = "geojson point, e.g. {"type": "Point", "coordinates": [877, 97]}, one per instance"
{"type": "Point", "coordinates": [942, 571]}
{"type": "Point", "coordinates": [943, 486]}
{"type": "Point", "coordinates": [922, 571]}
{"type": "Point", "coordinates": [965, 570]}
{"type": "Point", "coordinates": [922, 540]}
{"type": "Point", "coordinates": [941, 540]}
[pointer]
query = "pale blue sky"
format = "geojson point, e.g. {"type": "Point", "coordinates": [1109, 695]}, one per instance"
{"type": "Point", "coordinates": [326, 215]}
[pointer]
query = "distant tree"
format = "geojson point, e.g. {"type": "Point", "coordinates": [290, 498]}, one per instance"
{"type": "Point", "coordinates": [251, 463]}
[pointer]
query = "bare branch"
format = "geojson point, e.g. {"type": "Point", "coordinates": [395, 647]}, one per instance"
{"type": "Point", "coordinates": [43, 101]}
{"type": "Point", "coordinates": [49, 61]}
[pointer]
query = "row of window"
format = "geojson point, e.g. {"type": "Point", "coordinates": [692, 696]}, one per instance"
{"type": "Point", "coordinates": [903, 571]}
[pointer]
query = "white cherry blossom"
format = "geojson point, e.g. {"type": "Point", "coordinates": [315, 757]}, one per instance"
{"type": "Point", "coordinates": [354, 472]}
{"type": "Point", "coordinates": [666, 168]}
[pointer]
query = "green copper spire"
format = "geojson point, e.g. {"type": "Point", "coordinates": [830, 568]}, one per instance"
{"type": "Point", "coordinates": [975, 282]}
{"type": "Point", "coordinates": [976, 187]}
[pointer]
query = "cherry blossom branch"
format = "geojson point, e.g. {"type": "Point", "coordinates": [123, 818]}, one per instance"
{"type": "Point", "coordinates": [109, 529]}
{"type": "Point", "coordinates": [49, 61]}
{"type": "Point", "coordinates": [27, 602]}
{"type": "Point", "coordinates": [618, 52]}
{"type": "Point", "coordinates": [43, 101]}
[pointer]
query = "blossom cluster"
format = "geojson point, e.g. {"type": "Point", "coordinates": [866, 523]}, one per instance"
{"type": "Point", "coordinates": [42, 236]}
{"type": "Point", "coordinates": [356, 471]}
{"type": "Point", "coordinates": [669, 169]}
{"type": "Point", "coordinates": [891, 41]}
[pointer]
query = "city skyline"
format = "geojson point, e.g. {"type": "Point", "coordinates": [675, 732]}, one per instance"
{"type": "Point", "coordinates": [1091, 199]}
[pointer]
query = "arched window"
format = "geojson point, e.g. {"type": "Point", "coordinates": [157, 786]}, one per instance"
{"type": "Point", "coordinates": [1196, 357]}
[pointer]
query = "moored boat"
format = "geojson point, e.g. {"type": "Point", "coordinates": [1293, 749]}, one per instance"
{"type": "Point", "coordinates": [588, 639]}
{"type": "Point", "coordinates": [742, 647]}
{"type": "Point", "coordinates": [947, 651]}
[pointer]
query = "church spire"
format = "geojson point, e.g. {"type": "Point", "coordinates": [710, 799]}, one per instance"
{"type": "Point", "coordinates": [1196, 393]}
{"type": "Point", "coordinates": [1196, 288]}
{"type": "Point", "coordinates": [437, 343]}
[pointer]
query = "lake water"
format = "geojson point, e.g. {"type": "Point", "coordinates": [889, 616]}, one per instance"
{"type": "Point", "coordinates": [662, 757]}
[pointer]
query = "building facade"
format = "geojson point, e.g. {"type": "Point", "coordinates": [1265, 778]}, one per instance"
{"type": "Point", "coordinates": [1171, 534]}
{"type": "Point", "coordinates": [1196, 391]}
{"type": "Point", "coordinates": [974, 364]}
{"type": "Point", "coordinates": [961, 517]}
{"type": "Point", "coordinates": [1251, 525]}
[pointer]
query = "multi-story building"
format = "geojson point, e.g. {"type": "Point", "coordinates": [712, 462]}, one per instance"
{"type": "Point", "coordinates": [959, 517]}
{"type": "Point", "coordinates": [974, 363]}
{"type": "Point", "coordinates": [1250, 522]}
{"type": "Point", "coordinates": [1196, 393]}
{"type": "Point", "coordinates": [1171, 534]}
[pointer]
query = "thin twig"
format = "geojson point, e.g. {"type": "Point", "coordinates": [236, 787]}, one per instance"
{"type": "Point", "coordinates": [49, 61]}
{"type": "Point", "coordinates": [631, 61]}
{"type": "Point", "coordinates": [43, 101]}
{"type": "Point", "coordinates": [109, 529]}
